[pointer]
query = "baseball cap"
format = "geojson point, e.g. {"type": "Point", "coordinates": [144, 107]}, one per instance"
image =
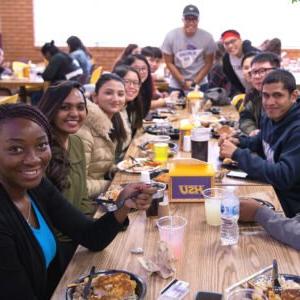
{"type": "Point", "coordinates": [191, 10]}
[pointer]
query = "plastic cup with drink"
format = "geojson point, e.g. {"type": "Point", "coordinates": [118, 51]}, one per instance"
{"type": "Point", "coordinates": [213, 198]}
{"type": "Point", "coordinates": [171, 230]}
{"type": "Point", "coordinates": [161, 152]}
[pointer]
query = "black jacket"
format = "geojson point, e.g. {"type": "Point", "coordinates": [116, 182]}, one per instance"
{"type": "Point", "coordinates": [59, 66]}
{"type": "Point", "coordinates": [23, 273]}
{"type": "Point", "coordinates": [236, 85]}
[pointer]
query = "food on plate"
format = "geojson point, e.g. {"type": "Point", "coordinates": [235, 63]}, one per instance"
{"type": "Point", "coordinates": [163, 177]}
{"type": "Point", "coordinates": [139, 165]}
{"type": "Point", "coordinates": [118, 286]}
{"type": "Point", "coordinates": [290, 288]}
{"type": "Point", "coordinates": [206, 120]}
{"type": "Point", "coordinates": [152, 163]}
{"type": "Point", "coordinates": [225, 130]}
{"type": "Point", "coordinates": [229, 161]}
{"type": "Point", "coordinates": [113, 192]}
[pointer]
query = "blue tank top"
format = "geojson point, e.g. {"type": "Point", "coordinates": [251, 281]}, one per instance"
{"type": "Point", "coordinates": [44, 236]}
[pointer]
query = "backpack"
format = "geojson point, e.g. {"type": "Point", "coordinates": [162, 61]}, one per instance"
{"type": "Point", "coordinates": [218, 96]}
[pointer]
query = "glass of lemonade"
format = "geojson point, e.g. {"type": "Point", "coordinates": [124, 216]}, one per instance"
{"type": "Point", "coordinates": [213, 198]}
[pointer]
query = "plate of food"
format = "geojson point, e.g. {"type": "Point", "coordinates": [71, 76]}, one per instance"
{"type": "Point", "coordinates": [108, 284]}
{"type": "Point", "coordinates": [162, 177]}
{"type": "Point", "coordinates": [138, 165]}
{"type": "Point", "coordinates": [107, 200]}
{"type": "Point", "coordinates": [290, 285]}
{"type": "Point", "coordinates": [169, 130]}
{"type": "Point", "coordinates": [217, 131]}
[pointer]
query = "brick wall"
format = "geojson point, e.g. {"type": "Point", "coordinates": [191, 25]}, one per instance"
{"type": "Point", "coordinates": [16, 25]}
{"type": "Point", "coordinates": [16, 18]}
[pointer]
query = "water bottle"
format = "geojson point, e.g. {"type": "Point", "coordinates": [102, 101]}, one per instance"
{"type": "Point", "coordinates": [230, 211]}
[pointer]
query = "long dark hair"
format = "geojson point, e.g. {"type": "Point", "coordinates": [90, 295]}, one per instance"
{"type": "Point", "coordinates": [134, 108]}
{"type": "Point", "coordinates": [59, 166]}
{"type": "Point", "coordinates": [75, 43]}
{"type": "Point", "coordinates": [146, 90]}
{"type": "Point", "coordinates": [119, 132]}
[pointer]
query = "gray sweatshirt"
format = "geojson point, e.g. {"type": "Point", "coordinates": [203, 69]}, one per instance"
{"type": "Point", "coordinates": [281, 228]}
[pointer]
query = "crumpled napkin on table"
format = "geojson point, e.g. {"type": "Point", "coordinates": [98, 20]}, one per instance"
{"type": "Point", "coordinates": [161, 263]}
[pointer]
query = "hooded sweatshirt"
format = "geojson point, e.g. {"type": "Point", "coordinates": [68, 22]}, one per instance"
{"type": "Point", "coordinates": [277, 158]}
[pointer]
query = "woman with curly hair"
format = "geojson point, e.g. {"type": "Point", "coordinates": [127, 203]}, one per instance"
{"type": "Point", "coordinates": [65, 107]}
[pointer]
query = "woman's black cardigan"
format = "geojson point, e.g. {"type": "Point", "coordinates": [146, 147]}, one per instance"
{"type": "Point", "coordinates": [23, 273]}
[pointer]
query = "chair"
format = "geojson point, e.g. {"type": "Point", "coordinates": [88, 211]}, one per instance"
{"type": "Point", "coordinates": [96, 75]}
{"type": "Point", "coordinates": [10, 99]}
{"type": "Point", "coordinates": [238, 102]}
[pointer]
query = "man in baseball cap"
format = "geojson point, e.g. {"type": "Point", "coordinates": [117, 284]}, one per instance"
{"type": "Point", "coordinates": [188, 53]}
{"type": "Point", "coordinates": [191, 10]}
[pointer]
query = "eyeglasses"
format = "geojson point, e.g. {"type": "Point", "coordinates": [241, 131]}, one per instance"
{"type": "Point", "coordinates": [230, 42]}
{"type": "Point", "coordinates": [141, 69]}
{"type": "Point", "coordinates": [260, 72]}
{"type": "Point", "coordinates": [134, 83]}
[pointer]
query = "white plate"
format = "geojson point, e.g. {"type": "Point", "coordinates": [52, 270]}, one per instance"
{"type": "Point", "coordinates": [125, 166]}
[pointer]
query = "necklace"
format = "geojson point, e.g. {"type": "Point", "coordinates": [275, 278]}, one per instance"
{"type": "Point", "coordinates": [29, 212]}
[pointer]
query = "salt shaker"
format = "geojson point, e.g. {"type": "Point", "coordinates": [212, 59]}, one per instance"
{"type": "Point", "coordinates": [187, 143]}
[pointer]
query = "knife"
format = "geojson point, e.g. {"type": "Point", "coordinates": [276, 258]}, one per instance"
{"type": "Point", "coordinates": [87, 288]}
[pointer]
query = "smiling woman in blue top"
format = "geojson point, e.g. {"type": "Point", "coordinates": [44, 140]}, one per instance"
{"type": "Point", "coordinates": [30, 206]}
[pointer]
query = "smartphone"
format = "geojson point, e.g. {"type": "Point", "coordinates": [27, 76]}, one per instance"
{"type": "Point", "coordinates": [237, 174]}
{"type": "Point", "coordinates": [208, 296]}
{"type": "Point", "coordinates": [174, 290]}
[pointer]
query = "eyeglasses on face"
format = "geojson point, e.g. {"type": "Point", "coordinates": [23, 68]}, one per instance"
{"type": "Point", "coordinates": [230, 42]}
{"type": "Point", "coordinates": [134, 83]}
{"type": "Point", "coordinates": [141, 69]}
{"type": "Point", "coordinates": [260, 72]}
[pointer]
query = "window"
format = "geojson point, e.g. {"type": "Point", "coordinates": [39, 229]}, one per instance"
{"type": "Point", "coordinates": [116, 23]}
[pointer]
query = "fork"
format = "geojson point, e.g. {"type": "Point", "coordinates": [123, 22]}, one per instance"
{"type": "Point", "coordinates": [87, 287]}
{"type": "Point", "coordinates": [277, 289]}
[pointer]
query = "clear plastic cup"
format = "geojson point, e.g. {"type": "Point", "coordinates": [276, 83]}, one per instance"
{"type": "Point", "coordinates": [171, 230]}
{"type": "Point", "coordinates": [213, 199]}
{"type": "Point", "coordinates": [246, 294]}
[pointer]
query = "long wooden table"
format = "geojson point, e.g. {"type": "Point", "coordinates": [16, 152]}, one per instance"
{"type": "Point", "coordinates": [205, 263]}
